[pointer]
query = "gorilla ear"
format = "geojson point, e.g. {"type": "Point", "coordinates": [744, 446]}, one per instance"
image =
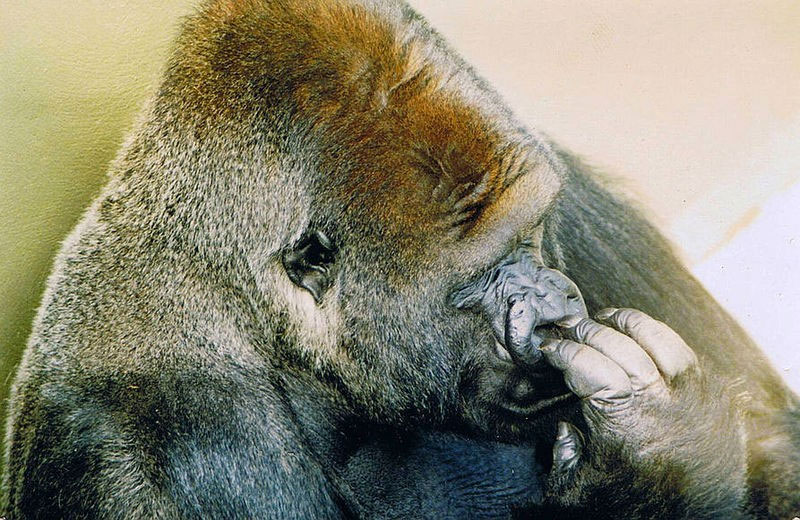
{"type": "Point", "coordinates": [309, 263]}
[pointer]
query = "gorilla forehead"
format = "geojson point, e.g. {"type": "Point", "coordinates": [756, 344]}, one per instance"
{"type": "Point", "coordinates": [393, 117]}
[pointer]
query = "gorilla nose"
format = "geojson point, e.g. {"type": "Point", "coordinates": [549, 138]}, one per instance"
{"type": "Point", "coordinates": [521, 320]}
{"type": "Point", "coordinates": [517, 297]}
{"type": "Point", "coordinates": [558, 296]}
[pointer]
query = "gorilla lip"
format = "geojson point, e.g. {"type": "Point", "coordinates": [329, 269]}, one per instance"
{"type": "Point", "coordinates": [538, 406]}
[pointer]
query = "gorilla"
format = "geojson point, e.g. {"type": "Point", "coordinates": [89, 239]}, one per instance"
{"type": "Point", "coordinates": [332, 276]}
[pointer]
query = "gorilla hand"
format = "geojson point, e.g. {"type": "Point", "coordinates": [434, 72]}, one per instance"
{"type": "Point", "coordinates": [656, 427]}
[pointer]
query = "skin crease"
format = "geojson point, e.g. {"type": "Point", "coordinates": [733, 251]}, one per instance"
{"type": "Point", "coordinates": [256, 319]}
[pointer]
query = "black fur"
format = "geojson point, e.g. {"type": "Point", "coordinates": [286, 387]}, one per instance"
{"type": "Point", "coordinates": [618, 258]}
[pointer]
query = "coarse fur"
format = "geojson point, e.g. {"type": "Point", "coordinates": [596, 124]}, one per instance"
{"type": "Point", "coordinates": [176, 371]}
{"type": "Point", "coordinates": [617, 258]}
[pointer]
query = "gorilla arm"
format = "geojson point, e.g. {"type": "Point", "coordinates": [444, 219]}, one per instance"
{"type": "Point", "coordinates": [172, 445]}
{"type": "Point", "coordinates": [617, 258]}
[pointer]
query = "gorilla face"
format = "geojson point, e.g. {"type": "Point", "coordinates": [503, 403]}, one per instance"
{"type": "Point", "coordinates": [515, 300]}
{"type": "Point", "coordinates": [447, 317]}
{"type": "Point", "coordinates": [365, 174]}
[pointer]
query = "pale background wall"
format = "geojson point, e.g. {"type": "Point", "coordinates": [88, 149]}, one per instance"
{"type": "Point", "coordinates": [695, 104]}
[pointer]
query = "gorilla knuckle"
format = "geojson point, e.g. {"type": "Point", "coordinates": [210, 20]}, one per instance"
{"type": "Point", "coordinates": [652, 386]}
{"type": "Point", "coordinates": [589, 331]}
{"type": "Point", "coordinates": [578, 356]}
{"type": "Point", "coordinates": [632, 321]}
{"type": "Point", "coordinates": [615, 398]}
{"type": "Point", "coordinates": [564, 352]}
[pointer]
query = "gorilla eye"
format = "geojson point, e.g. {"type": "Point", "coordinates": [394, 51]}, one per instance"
{"type": "Point", "coordinates": [308, 264]}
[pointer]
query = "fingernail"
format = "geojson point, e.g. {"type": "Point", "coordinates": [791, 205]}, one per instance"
{"type": "Point", "coordinates": [606, 313]}
{"type": "Point", "coordinates": [515, 298]}
{"type": "Point", "coordinates": [569, 321]}
{"type": "Point", "coordinates": [563, 430]}
{"type": "Point", "coordinates": [548, 345]}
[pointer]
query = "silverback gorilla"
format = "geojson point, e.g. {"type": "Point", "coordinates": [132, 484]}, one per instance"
{"type": "Point", "coordinates": [331, 276]}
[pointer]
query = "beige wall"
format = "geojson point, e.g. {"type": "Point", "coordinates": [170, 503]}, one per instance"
{"type": "Point", "coordinates": [682, 97]}
{"type": "Point", "coordinates": [695, 103]}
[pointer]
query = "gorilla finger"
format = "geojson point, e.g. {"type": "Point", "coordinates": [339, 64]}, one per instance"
{"type": "Point", "coordinates": [587, 372]}
{"type": "Point", "coordinates": [561, 296]}
{"type": "Point", "coordinates": [519, 324]}
{"type": "Point", "coordinates": [671, 354]}
{"type": "Point", "coordinates": [619, 348]}
{"type": "Point", "coordinates": [567, 448]}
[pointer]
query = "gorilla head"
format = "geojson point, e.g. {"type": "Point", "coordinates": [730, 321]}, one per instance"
{"type": "Point", "coordinates": [360, 175]}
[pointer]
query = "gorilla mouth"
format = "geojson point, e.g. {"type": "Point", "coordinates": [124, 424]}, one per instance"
{"type": "Point", "coordinates": [533, 388]}
{"type": "Point", "coordinates": [538, 407]}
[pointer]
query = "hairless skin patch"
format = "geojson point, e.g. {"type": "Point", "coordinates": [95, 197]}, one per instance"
{"type": "Point", "coordinates": [519, 296]}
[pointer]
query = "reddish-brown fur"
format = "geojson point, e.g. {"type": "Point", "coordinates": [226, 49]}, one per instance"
{"type": "Point", "coordinates": [397, 134]}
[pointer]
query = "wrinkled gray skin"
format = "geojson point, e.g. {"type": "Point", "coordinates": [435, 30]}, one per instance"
{"type": "Point", "coordinates": [518, 296]}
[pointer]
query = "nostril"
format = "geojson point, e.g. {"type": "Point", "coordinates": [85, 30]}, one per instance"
{"type": "Point", "coordinates": [515, 298]}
